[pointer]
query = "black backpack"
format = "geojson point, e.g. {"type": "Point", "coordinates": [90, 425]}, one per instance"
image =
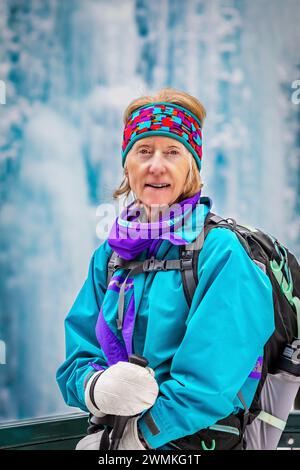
{"type": "Point", "coordinates": [273, 258]}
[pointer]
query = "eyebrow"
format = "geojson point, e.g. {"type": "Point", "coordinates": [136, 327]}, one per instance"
{"type": "Point", "coordinates": [147, 145]}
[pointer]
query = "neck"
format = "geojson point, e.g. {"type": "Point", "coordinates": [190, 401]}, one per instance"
{"type": "Point", "coordinates": [153, 212]}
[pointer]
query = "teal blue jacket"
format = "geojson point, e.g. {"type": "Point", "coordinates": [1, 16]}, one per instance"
{"type": "Point", "coordinates": [202, 356]}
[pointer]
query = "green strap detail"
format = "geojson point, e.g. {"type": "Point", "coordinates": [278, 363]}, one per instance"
{"type": "Point", "coordinates": [229, 429]}
{"type": "Point", "coordinates": [275, 267]}
{"type": "Point", "coordinates": [272, 420]}
{"type": "Point", "coordinates": [296, 302]}
{"type": "Point", "coordinates": [213, 445]}
{"type": "Point", "coordinates": [287, 288]}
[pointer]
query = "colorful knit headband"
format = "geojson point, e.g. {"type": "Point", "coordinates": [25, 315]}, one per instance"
{"type": "Point", "coordinates": [166, 119]}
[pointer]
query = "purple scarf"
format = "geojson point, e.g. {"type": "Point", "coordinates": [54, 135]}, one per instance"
{"type": "Point", "coordinates": [129, 237]}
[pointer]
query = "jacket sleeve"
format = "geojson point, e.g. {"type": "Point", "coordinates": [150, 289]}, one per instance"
{"type": "Point", "coordinates": [83, 353]}
{"type": "Point", "coordinates": [230, 320]}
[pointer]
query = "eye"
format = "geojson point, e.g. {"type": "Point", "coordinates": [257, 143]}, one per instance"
{"type": "Point", "coordinates": [143, 151]}
{"type": "Point", "coordinates": [172, 152]}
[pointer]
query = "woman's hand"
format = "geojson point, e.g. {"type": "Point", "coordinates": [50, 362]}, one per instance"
{"type": "Point", "coordinates": [124, 389]}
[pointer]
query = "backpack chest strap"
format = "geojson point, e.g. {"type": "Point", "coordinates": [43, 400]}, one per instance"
{"type": "Point", "coordinates": [136, 267]}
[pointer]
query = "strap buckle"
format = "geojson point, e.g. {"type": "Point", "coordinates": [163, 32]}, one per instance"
{"type": "Point", "coordinates": [119, 262]}
{"type": "Point", "coordinates": [231, 222]}
{"type": "Point", "coordinates": [154, 264]}
{"type": "Point", "coordinates": [112, 264]}
{"type": "Point", "coordinates": [186, 264]}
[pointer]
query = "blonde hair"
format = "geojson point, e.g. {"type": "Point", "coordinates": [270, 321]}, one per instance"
{"type": "Point", "coordinates": [193, 182]}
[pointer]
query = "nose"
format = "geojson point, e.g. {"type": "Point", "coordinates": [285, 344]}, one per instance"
{"type": "Point", "coordinates": [157, 164]}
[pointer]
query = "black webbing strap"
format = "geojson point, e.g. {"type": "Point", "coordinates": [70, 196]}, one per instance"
{"type": "Point", "coordinates": [148, 265]}
{"type": "Point", "coordinates": [105, 424]}
{"type": "Point", "coordinates": [134, 270]}
{"type": "Point", "coordinates": [111, 267]}
{"type": "Point", "coordinates": [188, 277]}
{"type": "Point", "coordinates": [246, 413]}
{"type": "Point", "coordinates": [192, 251]}
{"type": "Point", "coordinates": [105, 441]}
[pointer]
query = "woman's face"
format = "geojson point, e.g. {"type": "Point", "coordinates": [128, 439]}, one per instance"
{"type": "Point", "coordinates": [153, 161]}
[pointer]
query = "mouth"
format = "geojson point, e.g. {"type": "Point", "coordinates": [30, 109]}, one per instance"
{"type": "Point", "coordinates": [158, 186]}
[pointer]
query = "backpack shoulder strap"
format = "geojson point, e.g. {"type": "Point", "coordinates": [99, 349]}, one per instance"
{"type": "Point", "coordinates": [111, 266]}
{"type": "Point", "coordinates": [192, 251]}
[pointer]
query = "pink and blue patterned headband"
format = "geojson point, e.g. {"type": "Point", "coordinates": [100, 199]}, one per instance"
{"type": "Point", "coordinates": [165, 119]}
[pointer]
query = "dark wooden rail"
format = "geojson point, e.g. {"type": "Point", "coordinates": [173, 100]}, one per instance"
{"type": "Point", "coordinates": [63, 433]}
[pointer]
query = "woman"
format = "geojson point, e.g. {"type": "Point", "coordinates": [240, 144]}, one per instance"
{"type": "Point", "coordinates": [200, 357]}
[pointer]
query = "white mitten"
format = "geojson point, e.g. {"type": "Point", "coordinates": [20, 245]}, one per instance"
{"type": "Point", "coordinates": [90, 442]}
{"type": "Point", "coordinates": [124, 389]}
{"type": "Point", "coordinates": [89, 395]}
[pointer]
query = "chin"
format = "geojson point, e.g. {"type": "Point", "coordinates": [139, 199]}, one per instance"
{"type": "Point", "coordinates": [157, 201]}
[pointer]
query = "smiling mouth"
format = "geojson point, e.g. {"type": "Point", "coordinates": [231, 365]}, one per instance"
{"type": "Point", "coordinates": [157, 187]}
